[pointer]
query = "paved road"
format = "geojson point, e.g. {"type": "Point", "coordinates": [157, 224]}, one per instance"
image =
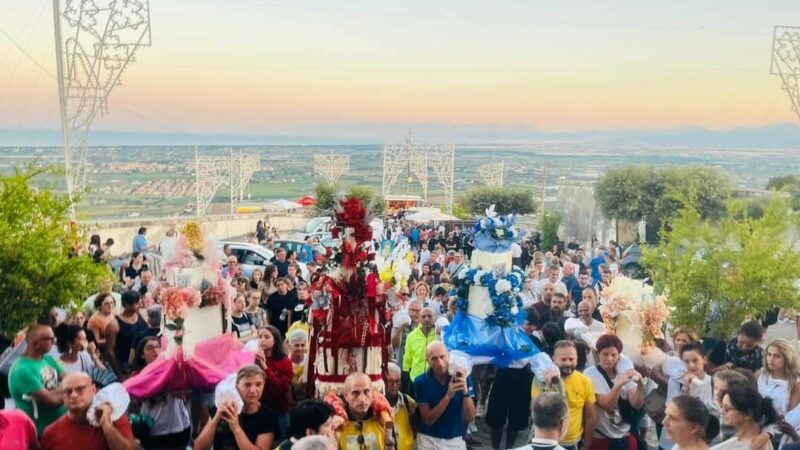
{"type": "Point", "coordinates": [482, 441]}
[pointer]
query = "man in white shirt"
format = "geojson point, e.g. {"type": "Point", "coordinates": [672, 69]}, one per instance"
{"type": "Point", "coordinates": [424, 253]}
{"type": "Point", "coordinates": [549, 422]}
{"type": "Point", "coordinates": [585, 310]}
{"type": "Point", "coordinates": [552, 277]}
{"type": "Point", "coordinates": [516, 254]}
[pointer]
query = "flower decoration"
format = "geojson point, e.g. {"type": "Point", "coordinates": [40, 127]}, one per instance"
{"type": "Point", "coordinates": [652, 315]}
{"type": "Point", "coordinates": [503, 292]}
{"type": "Point", "coordinates": [495, 233]}
{"type": "Point", "coordinates": [195, 241]}
{"type": "Point", "coordinates": [177, 302]}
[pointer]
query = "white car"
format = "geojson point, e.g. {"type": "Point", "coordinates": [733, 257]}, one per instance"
{"type": "Point", "coordinates": [254, 256]}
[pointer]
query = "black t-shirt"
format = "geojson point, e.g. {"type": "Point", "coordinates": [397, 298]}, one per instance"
{"type": "Point", "coordinates": [283, 267]}
{"type": "Point", "coordinates": [261, 422]}
{"type": "Point", "coordinates": [285, 445]}
{"type": "Point", "coordinates": [276, 304]}
{"type": "Point", "coordinates": [132, 273]}
{"type": "Point", "coordinates": [243, 326]}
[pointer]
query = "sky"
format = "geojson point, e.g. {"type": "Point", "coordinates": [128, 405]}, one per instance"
{"type": "Point", "coordinates": [301, 66]}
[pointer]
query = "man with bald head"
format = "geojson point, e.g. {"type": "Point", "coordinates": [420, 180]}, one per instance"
{"type": "Point", "coordinates": [545, 297]}
{"type": "Point", "coordinates": [445, 399]}
{"type": "Point", "coordinates": [73, 430]}
{"type": "Point", "coordinates": [363, 430]}
{"type": "Point", "coordinates": [33, 379]}
{"type": "Point", "coordinates": [414, 360]}
{"type": "Point", "coordinates": [585, 310]}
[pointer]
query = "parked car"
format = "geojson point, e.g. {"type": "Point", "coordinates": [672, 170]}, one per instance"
{"type": "Point", "coordinates": [254, 256]}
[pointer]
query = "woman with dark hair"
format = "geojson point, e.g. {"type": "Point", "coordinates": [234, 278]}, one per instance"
{"type": "Point", "coordinates": [171, 428]}
{"type": "Point", "coordinates": [279, 371]}
{"type": "Point", "coordinates": [94, 244]}
{"type": "Point", "coordinates": [619, 395]}
{"type": "Point", "coordinates": [268, 285]}
{"type": "Point", "coordinates": [689, 424]}
{"type": "Point", "coordinates": [135, 268]}
{"type": "Point", "coordinates": [748, 413]}
{"type": "Point", "coordinates": [105, 305]}
{"type": "Point", "coordinates": [77, 354]}
{"type": "Point", "coordinates": [261, 232]}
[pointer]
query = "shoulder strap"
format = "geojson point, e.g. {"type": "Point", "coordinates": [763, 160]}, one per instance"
{"type": "Point", "coordinates": [605, 376]}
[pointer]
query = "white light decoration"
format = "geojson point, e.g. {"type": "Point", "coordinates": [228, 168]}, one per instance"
{"type": "Point", "coordinates": [492, 173]}
{"type": "Point", "coordinates": [786, 62]}
{"type": "Point", "coordinates": [331, 166]}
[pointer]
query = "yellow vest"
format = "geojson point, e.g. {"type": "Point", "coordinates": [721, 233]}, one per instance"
{"type": "Point", "coordinates": [372, 432]}
{"type": "Point", "coordinates": [402, 422]}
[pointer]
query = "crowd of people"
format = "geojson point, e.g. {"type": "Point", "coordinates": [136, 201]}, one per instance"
{"type": "Point", "coordinates": [740, 393]}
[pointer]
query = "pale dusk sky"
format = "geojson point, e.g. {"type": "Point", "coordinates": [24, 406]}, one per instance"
{"type": "Point", "coordinates": [252, 66]}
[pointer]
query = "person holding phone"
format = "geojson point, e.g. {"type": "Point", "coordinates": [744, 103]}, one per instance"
{"type": "Point", "coordinates": [446, 401]}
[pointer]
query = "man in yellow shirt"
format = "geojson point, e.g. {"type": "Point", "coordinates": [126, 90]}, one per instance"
{"type": "Point", "coordinates": [363, 430]}
{"type": "Point", "coordinates": [404, 407]}
{"type": "Point", "coordinates": [580, 397]}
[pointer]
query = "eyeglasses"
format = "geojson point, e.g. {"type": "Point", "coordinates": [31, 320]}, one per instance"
{"type": "Point", "coordinates": [78, 390]}
{"type": "Point", "coordinates": [150, 348]}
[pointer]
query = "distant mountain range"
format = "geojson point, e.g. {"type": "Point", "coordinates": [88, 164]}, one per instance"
{"type": "Point", "coordinates": [772, 136]}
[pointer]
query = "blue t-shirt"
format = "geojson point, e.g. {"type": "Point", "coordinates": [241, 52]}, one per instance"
{"type": "Point", "coordinates": [430, 392]}
{"type": "Point", "coordinates": [139, 243]}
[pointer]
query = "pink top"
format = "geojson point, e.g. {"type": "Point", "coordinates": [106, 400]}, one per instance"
{"type": "Point", "coordinates": [16, 430]}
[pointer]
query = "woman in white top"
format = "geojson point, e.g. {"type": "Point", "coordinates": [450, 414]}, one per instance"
{"type": "Point", "coordinates": [695, 382]}
{"type": "Point", "coordinates": [688, 423]}
{"type": "Point", "coordinates": [746, 411]}
{"type": "Point", "coordinates": [612, 386]}
{"type": "Point", "coordinates": [778, 379]}
{"type": "Point", "coordinates": [77, 354]}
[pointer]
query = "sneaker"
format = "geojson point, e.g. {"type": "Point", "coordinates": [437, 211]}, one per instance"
{"type": "Point", "coordinates": [480, 410]}
{"type": "Point", "coordinates": [472, 427]}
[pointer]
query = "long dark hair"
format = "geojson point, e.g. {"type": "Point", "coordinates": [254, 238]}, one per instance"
{"type": "Point", "coordinates": [267, 278]}
{"type": "Point", "coordinates": [138, 359]}
{"type": "Point", "coordinates": [66, 335]}
{"type": "Point", "coordinates": [748, 401]}
{"type": "Point", "coordinates": [696, 413]}
{"type": "Point", "coordinates": [277, 348]}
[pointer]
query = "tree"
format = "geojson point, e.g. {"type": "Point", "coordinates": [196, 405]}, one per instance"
{"type": "Point", "coordinates": [551, 221]}
{"type": "Point", "coordinates": [327, 195]}
{"type": "Point", "coordinates": [639, 192]}
{"type": "Point", "coordinates": [38, 268]}
{"type": "Point", "coordinates": [326, 198]}
{"type": "Point", "coordinates": [506, 200]}
{"type": "Point", "coordinates": [790, 184]}
{"type": "Point", "coordinates": [720, 274]}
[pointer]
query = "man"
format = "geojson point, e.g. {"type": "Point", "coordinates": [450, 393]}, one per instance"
{"type": "Point", "coordinates": [401, 331]}
{"type": "Point", "coordinates": [577, 290]}
{"type": "Point", "coordinates": [446, 403]}
{"type": "Point", "coordinates": [414, 357]}
{"type": "Point", "coordinates": [424, 253]}
{"type": "Point", "coordinates": [279, 305]}
{"type": "Point", "coordinates": [550, 422]}
{"type": "Point", "coordinates": [516, 254]}
{"type": "Point", "coordinates": [73, 430]}
{"type": "Point", "coordinates": [580, 397]}
{"type": "Point", "coordinates": [456, 264]}
{"type": "Point", "coordinates": [309, 418]}
{"type": "Point", "coordinates": [121, 331]}
{"type": "Point", "coordinates": [281, 262]}
{"type": "Point", "coordinates": [573, 244]}
{"type": "Point", "coordinates": [557, 312]}
{"type": "Point", "coordinates": [552, 277]}
{"type": "Point", "coordinates": [33, 379]}
{"type": "Point", "coordinates": [585, 311]}
{"type": "Point", "coordinates": [403, 405]}
{"type": "Point", "coordinates": [363, 430]}
{"type": "Point", "coordinates": [571, 282]}
{"type": "Point", "coordinates": [146, 285]}
{"type": "Point", "coordinates": [545, 298]}
{"type": "Point", "coordinates": [140, 241]}
{"type": "Point", "coordinates": [17, 431]}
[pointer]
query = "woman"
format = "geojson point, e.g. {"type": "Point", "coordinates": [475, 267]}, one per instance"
{"type": "Point", "coordinates": [427, 276]}
{"type": "Point", "coordinates": [619, 395]}
{"type": "Point", "coordinates": [105, 305]}
{"type": "Point", "coordinates": [77, 354]}
{"type": "Point", "coordinates": [257, 315]}
{"type": "Point", "coordinates": [255, 427]}
{"type": "Point", "coordinates": [778, 379]}
{"type": "Point", "coordinates": [135, 269]}
{"type": "Point", "coordinates": [688, 423]}
{"type": "Point", "coordinates": [255, 278]}
{"type": "Point", "coordinates": [723, 381]}
{"type": "Point", "coordinates": [748, 413]}
{"type": "Point", "coordinates": [298, 346]}
{"type": "Point", "coordinates": [268, 283]}
{"type": "Point", "coordinates": [694, 382]}
{"type": "Point", "coordinates": [79, 319]}
{"type": "Point", "coordinates": [261, 232]}
{"type": "Point", "coordinates": [171, 428]}
{"type": "Point", "coordinates": [278, 369]}
{"type": "Point", "coordinates": [242, 324]}
{"type": "Point", "coordinates": [94, 244]}
{"type": "Point", "coordinates": [680, 337]}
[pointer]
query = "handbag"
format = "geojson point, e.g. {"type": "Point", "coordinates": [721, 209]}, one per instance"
{"type": "Point", "coordinates": [655, 404]}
